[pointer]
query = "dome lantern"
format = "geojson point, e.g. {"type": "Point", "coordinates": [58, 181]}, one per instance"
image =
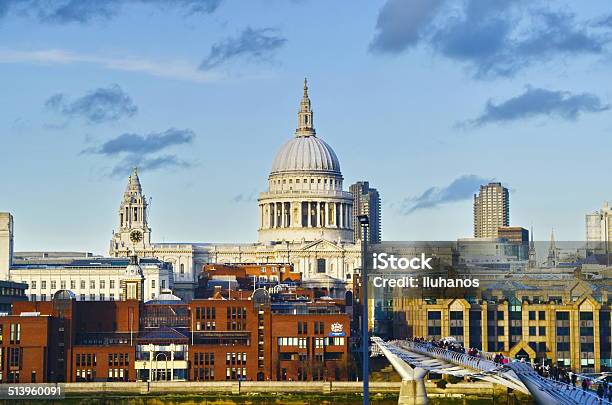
{"type": "Point", "coordinates": [305, 124]}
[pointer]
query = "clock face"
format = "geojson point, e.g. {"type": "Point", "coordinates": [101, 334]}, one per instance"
{"type": "Point", "coordinates": [136, 236]}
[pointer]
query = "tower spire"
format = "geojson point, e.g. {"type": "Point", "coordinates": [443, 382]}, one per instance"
{"type": "Point", "coordinates": [305, 125]}
{"type": "Point", "coordinates": [133, 185]}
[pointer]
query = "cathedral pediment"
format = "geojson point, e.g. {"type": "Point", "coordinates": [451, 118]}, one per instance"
{"type": "Point", "coordinates": [322, 245]}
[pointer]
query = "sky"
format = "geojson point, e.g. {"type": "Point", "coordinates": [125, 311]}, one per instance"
{"type": "Point", "coordinates": [426, 99]}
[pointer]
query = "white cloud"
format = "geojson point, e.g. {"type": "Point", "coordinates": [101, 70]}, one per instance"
{"type": "Point", "coordinates": [170, 69]}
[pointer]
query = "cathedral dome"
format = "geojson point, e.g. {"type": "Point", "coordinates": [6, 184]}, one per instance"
{"type": "Point", "coordinates": [306, 153]}
{"type": "Point", "coordinates": [305, 200]}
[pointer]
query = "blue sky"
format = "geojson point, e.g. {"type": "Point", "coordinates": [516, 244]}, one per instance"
{"type": "Point", "coordinates": [426, 99]}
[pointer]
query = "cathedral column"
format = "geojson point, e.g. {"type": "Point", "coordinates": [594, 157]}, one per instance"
{"type": "Point", "coordinates": [273, 206]}
{"type": "Point", "coordinates": [308, 211]}
{"type": "Point", "coordinates": [347, 216]}
{"type": "Point", "coordinates": [318, 218]}
{"type": "Point", "coordinates": [349, 210]}
{"type": "Point", "coordinates": [282, 215]}
{"type": "Point", "coordinates": [323, 215]}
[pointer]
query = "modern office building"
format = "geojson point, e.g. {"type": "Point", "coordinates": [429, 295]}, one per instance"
{"type": "Point", "coordinates": [366, 201]}
{"type": "Point", "coordinates": [513, 234]}
{"type": "Point", "coordinates": [10, 292]}
{"type": "Point", "coordinates": [491, 210]}
{"type": "Point", "coordinates": [565, 322]}
{"type": "Point", "coordinates": [599, 229]}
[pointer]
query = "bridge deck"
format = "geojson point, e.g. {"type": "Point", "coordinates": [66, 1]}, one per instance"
{"type": "Point", "coordinates": [515, 375]}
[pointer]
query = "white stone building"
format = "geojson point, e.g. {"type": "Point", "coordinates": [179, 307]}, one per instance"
{"type": "Point", "coordinates": [304, 219]}
{"type": "Point", "coordinates": [94, 279]}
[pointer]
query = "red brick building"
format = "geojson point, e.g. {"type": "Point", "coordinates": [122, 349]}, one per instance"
{"type": "Point", "coordinates": [239, 335]}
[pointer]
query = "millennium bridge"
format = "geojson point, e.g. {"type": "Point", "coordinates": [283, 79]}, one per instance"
{"type": "Point", "coordinates": [413, 360]}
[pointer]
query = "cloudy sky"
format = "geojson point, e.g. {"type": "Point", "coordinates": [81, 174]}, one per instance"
{"type": "Point", "coordinates": [426, 99]}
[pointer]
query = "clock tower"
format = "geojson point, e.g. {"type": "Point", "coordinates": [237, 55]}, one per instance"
{"type": "Point", "coordinates": [134, 232]}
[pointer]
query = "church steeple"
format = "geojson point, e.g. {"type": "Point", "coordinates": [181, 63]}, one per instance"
{"type": "Point", "coordinates": [134, 231]}
{"type": "Point", "coordinates": [133, 185]}
{"type": "Point", "coordinates": [533, 260]}
{"type": "Point", "coordinates": [552, 251]}
{"type": "Point", "coordinates": [305, 125]}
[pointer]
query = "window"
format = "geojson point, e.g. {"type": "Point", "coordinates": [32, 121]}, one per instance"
{"type": "Point", "coordinates": [92, 297]}
{"type": "Point", "coordinates": [53, 284]}
{"type": "Point", "coordinates": [542, 315]}
{"type": "Point", "coordinates": [82, 297]}
{"type": "Point", "coordinates": [532, 315]}
{"type": "Point", "coordinates": [33, 286]}
{"type": "Point", "coordinates": [102, 284]}
{"type": "Point", "coordinates": [15, 333]}
{"type": "Point", "coordinates": [14, 356]}
{"type": "Point", "coordinates": [63, 284]}
{"type": "Point", "coordinates": [542, 330]}
{"type": "Point", "coordinates": [43, 297]}
{"type": "Point", "coordinates": [153, 283]}
{"type": "Point", "coordinates": [111, 296]}
{"type": "Point", "coordinates": [102, 297]}
{"type": "Point", "coordinates": [163, 284]}
{"type": "Point", "coordinates": [82, 284]}
{"type": "Point", "coordinates": [434, 315]}
{"type": "Point", "coordinates": [563, 316]}
{"type": "Point", "coordinates": [320, 265]}
{"type": "Point", "coordinates": [43, 284]}
{"type": "Point", "coordinates": [532, 331]}
{"type": "Point", "coordinates": [72, 284]}
{"type": "Point", "coordinates": [112, 283]}
{"type": "Point", "coordinates": [92, 284]}
{"type": "Point", "coordinates": [182, 269]}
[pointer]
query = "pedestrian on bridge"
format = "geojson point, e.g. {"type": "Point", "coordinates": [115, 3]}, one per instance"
{"type": "Point", "coordinates": [573, 378]}
{"type": "Point", "coordinates": [585, 384]}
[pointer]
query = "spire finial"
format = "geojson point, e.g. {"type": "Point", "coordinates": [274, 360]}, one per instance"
{"type": "Point", "coordinates": [305, 87]}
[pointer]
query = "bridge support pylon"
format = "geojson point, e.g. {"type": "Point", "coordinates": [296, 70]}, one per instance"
{"type": "Point", "coordinates": [412, 392]}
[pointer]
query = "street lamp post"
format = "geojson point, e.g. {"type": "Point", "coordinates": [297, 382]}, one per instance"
{"type": "Point", "coordinates": [364, 221]}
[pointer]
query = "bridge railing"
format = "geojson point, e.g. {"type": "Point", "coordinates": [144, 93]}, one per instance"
{"type": "Point", "coordinates": [473, 362]}
{"type": "Point", "coordinates": [556, 388]}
